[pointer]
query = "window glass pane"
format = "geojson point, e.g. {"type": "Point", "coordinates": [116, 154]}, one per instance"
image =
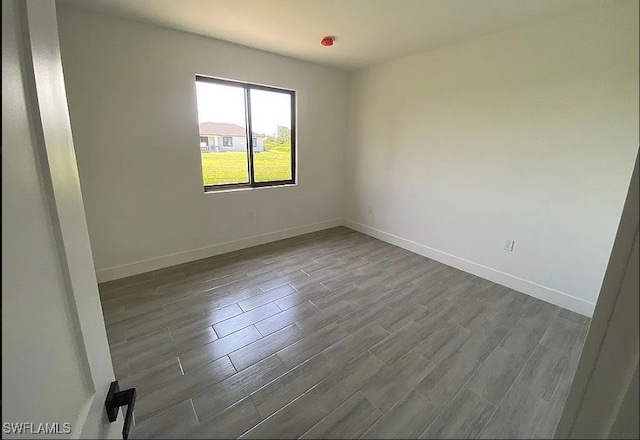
{"type": "Point", "coordinates": [271, 127]}
{"type": "Point", "coordinates": [223, 137]}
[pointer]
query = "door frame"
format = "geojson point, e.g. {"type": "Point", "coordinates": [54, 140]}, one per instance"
{"type": "Point", "coordinates": [49, 113]}
{"type": "Point", "coordinates": [601, 399]}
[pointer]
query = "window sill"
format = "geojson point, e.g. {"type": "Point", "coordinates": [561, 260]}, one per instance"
{"type": "Point", "coordinates": [247, 188]}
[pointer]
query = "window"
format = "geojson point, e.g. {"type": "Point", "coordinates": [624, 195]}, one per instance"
{"type": "Point", "coordinates": [229, 114]}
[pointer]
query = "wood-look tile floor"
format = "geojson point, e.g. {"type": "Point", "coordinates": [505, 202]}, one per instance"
{"type": "Point", "coordinates": [337, 335]}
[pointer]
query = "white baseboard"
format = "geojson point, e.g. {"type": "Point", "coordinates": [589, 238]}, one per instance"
{"type": "Point", "coordinates": [544, 293]}
{"type": "Point", "coordinates": [142, 266]}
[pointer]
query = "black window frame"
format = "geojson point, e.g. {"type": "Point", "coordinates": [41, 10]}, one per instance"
{"type": "Point", "coordinates": [249, 134]}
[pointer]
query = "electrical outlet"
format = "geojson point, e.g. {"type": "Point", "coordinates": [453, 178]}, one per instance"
{"type": "Point", "coordinates": [251, 215]}
{"type": "Point", "coordinates": [370, 209]}
{"type": "Point", "coordinates": [508, 245]}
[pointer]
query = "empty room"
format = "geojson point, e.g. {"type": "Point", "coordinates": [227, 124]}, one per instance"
{"type": "Point", "coordinates": [320, 218]}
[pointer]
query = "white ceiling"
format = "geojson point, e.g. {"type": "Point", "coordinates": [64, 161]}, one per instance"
{"type": "Point", "coordinates": [367, 31]}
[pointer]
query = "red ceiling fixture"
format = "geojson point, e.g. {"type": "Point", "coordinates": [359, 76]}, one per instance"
{"type": "Point", "coordinates": [327, 41]}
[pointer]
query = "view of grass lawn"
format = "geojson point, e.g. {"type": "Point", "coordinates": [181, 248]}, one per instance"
{"type": "Point", "coordinates": [231, 166]}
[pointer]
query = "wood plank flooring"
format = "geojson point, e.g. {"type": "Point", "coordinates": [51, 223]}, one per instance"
{"type": "Point", "coordinates": [337, 335]}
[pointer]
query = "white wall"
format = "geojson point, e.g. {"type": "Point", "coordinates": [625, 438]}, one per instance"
{"type": "Point", "coordinates": [131, 91]}
{"type": "Point", "coordinates": [528, 134]}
